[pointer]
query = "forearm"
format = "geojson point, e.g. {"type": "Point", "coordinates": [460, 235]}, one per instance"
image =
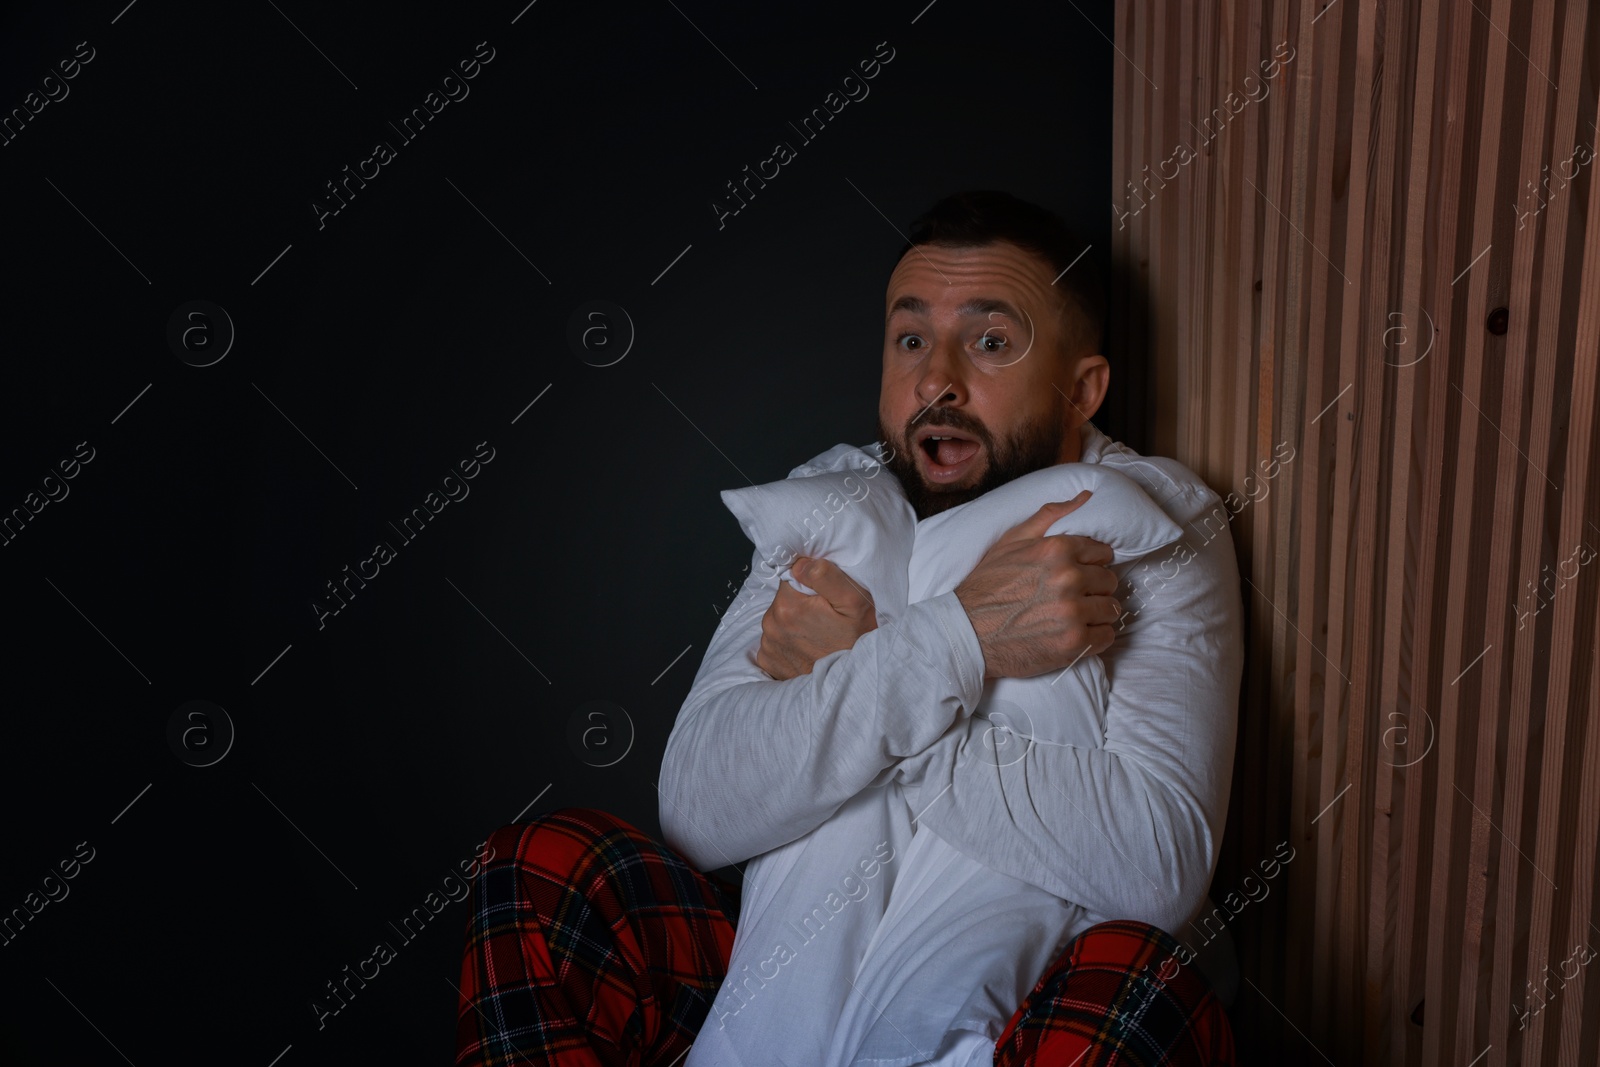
{"type": "Point", "coordinates": [1128, 827]}
{"type": "Point", "coordinates": [1091, 826]}
{"type": "Point", "coordinates": [754, 763]}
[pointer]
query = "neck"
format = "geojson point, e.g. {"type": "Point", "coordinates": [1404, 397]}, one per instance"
{"type": "Point", "coordinates": [1072, 444]}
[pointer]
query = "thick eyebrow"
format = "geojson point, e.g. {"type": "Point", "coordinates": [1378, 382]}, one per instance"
{"type": "Point", "coordinates": [976, 306]}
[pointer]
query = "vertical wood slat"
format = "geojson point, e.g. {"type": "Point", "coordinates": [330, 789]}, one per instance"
{"type": "Point", "coordinates": [1398, 683]}
{"type": "Point", "coordinates": [1385, 571]}
{"type": "Point", "coordinates": [1512, 481]}
{"type": "Point", "coordinates": [1453, 803]}
{"type": "Point", "coordinates": [1555, 774]}
{"type": "Point", "coordinates": [1503, 825]}
{"type": "Point", "coordinates": [1418, 776]}
{"type": "Point", "coordinates": [1578, 503]}
{"type": "Point", "coordinates": [1144, 145]}
{"type": "Point", "coordinates": [1382, 400]}
{"type": "Point", "coordinates": [1332, 773]}
{"type": "Point", "coordinates": [1322, 51]}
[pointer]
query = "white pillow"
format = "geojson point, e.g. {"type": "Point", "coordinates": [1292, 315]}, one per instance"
{"type": "Point", "coordinates": [949, 545]}
{"type": "Point", "coordinates": [840, 507]}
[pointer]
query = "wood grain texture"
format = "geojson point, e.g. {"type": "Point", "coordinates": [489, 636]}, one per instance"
{"type": "Point", "coordinates": [1376, 274]}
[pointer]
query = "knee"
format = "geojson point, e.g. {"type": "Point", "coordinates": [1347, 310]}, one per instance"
{"type": "Point", "coordinates": [1110, 943]}
{"type": "Point", "coordinates": [592, 823]}
{"type": "Point", "coordinates": [1119, 982]}
{"type": "Point", "coordinates": [559, 839]}
{"type": "Point", "coordinates": [1130, 929]}
{"type": "Point", "coordinates": [1128, 944]}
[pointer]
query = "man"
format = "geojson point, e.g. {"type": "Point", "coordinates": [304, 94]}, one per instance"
{"type": "Point", "coordinates": [592, 944]}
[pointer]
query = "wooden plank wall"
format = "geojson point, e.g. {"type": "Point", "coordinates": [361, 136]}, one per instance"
{"type": "Point", "coordinates": [1381, 259]}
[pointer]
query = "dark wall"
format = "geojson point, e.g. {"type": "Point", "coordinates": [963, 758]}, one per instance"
{"type": "Point", "coordinates": [355, 759]}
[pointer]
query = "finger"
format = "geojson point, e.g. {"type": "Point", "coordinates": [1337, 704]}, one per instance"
{"type": "Point", "coordinates": [840, 590]}
{"type": "Point", "coordinates": [1087, 579]}
{"type": "Point", "coordinates": [1036, 524]}
{"type": "Point", "coordinates": [1087, 549]}
{"type": "Point", "coordinates": [1098, 610]}
{"type": "Point", "coordinates": [1110, 612]}
{"type": "Point", "coordinates": [1101, 637]}
{"type": "Point", "coordinates": [1099, 581]}
{"type": "Point", "coordinates": [776, 670]}
{"type": "Point", "coordinates": [787, 599]}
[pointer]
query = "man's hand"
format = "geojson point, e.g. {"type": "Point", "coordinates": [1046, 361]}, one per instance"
{"type": "Point", "coordinates": [798, 630]}
{"type": "Point", "coordinates": [1040, 603]}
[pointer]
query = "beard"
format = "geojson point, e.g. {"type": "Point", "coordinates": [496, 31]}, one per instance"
{"type": "Point", "coordinates": [1034, 445]}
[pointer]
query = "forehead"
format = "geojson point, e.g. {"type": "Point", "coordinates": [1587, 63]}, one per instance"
{"type": "Point", "coordinates": [942, 279]}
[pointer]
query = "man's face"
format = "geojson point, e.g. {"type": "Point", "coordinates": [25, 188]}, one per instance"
{"type": "Point", "coordinates": [972, 351]}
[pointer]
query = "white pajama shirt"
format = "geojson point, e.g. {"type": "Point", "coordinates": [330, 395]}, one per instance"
{"type": "Point", "coordinates": [913, 869]}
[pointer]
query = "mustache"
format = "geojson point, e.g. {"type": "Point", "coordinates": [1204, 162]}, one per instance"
{"type": "Point", "coordinates": [949, 417]}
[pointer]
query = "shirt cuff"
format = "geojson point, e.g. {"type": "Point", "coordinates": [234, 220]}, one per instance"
{"type": "Point", "coordinates": [966, 655]}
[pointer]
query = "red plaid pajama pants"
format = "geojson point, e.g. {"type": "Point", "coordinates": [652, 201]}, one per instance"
{"type": "Point", "coordinates": [590, 944]}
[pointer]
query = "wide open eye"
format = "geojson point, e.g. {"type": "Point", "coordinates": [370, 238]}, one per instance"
{"type": "Point", "coordinates": [994, 342]}
{"type": "Point", "coordinates": [997, 349]}
{"type": "Point", "coordinates": [911, 342]}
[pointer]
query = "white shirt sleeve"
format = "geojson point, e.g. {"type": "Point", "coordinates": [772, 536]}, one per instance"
{"type": "Point", "coordinates": [1129, 830]}
{"type": "Point", "coordinates": [753, 763]}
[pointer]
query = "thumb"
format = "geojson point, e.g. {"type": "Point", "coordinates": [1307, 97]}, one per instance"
{"type": "Point", "coordinates": [1036, 524]}
{"type": "Point", "coordinates": [840, 590]}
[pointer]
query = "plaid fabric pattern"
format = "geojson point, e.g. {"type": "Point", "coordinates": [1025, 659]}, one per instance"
{"type": "Point", "coordinates": [590, 944]}
{"type": "Point", "coordinates": [1118, 995]}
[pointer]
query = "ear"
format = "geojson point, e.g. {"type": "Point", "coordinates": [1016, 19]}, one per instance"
{"type": "Point", "coordinates": [1088, 377]}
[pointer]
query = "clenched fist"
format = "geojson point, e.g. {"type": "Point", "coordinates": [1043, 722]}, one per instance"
{"type": "Point", "coordinates": [1040, 603]}
{"type": "Point", "coordinates": [798, 630]}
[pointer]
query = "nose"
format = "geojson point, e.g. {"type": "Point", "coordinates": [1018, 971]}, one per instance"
{"type": "Point", "coordinates": [941, 376]}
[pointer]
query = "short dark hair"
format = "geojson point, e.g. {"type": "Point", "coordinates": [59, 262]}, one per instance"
{"type": "Point", "coordinates": [983, 216]}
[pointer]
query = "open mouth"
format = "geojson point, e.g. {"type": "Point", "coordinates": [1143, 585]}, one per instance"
{"type": "Point", "coordinates": [947, 454]}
